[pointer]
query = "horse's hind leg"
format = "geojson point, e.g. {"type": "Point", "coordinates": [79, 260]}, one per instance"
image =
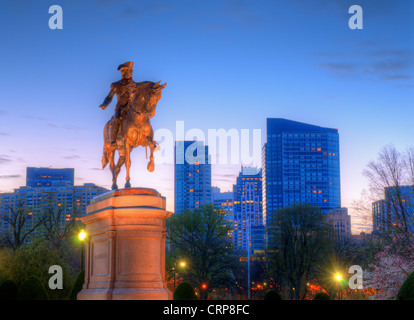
{"type": "Point", "coordinates": [113, 169]}
{"type": "Point", "coordinates": [120, 163]}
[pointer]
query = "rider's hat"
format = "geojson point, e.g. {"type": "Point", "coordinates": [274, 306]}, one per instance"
{"type": "Point", "coordinates": [126, 65]}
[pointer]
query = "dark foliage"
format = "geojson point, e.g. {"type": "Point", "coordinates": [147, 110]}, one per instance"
{"type": "Point", "coordinates": [9, 290]}
{"type": "Point", "coordinates": [77, 286]}
{"type": "Point", "coordinates": [272, 295]}
{"type": "Point", "coordinates": [33, 289]}
{"type": "Point", "coordinates": [184, 291]}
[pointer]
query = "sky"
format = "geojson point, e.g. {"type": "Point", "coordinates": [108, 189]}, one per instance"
{"type": "Point", "coordinates": [227, 64]}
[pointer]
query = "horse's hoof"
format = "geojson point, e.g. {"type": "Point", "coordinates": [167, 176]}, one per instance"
{"type": "Point", "coordinates": [127, 185]}
{"type": "Point", "coordinates": [114, 187]}
{"type": "Point", "coordinates": [150, 167]}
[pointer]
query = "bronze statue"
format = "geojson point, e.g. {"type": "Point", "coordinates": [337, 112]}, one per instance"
{"type": "Point", "coordinates": [130, 126]}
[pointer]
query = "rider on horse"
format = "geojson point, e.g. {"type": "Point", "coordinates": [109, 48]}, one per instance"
{"type": "Point", "coordinates": [124, 89]}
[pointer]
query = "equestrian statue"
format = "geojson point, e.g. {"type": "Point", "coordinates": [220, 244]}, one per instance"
{"type": "Point", "coordinates": [130, 126]}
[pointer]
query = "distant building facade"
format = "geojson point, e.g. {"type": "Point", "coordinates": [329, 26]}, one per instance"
{"type": "Point", "coordinates": [248, 218]}
{"type": "Point", "coordinates": [59, 194]}
{"type": "Point", "coordinates": [395, 211]}
{"type": "Point", "coordinates": [192, 176]}
{"type": "Point", "coordinates": [341, 223]}
{"type": "Point", "coordinates": [379, 217]}
{"type": "Point", "coordinates": [300, 164]}
{"type": "Point", "coordinates": [45, 177]}
{"type": "Point", "coordinates": [225, 201]}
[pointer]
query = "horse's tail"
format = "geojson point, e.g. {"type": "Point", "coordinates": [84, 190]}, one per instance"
{"type": "Point", "coordinates": [105, 159]}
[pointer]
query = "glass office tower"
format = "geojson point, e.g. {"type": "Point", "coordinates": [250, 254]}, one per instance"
{"type": "Point", "coordinates": [192, 176]}
{"type": "Point", "coordinates": [300, 164]}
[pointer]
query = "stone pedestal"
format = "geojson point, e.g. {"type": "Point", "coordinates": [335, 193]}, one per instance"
{"type": "Point", "coordinates": [125, 250]}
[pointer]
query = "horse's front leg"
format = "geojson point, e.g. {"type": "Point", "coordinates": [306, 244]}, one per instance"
{"type": "Point", "coordinates": [128, 149]}
{"type": "Point", "coordinates": [151, 165]}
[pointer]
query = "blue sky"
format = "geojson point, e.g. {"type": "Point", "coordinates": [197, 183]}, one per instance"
{"type": "Point", "coordinates": [227, 64]}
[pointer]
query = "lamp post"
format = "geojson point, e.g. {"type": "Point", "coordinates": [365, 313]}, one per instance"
{"type": "Point", "coordinates": [82, 236]}
{"type": "Point", "coordinates": [248, 255]}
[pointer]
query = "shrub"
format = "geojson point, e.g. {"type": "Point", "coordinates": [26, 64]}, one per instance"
{"type": "Point", "coordinates": [321, 296]}
{"type": "Point", "coordinates": [9, 290]}
{"type": "Point", "coordinates": [406, 291]}
{"type": "Point", "coordinates": [77, 286]}
{"type": "Point", "coordinates": [33, 289]}
{"type": "Point", "coordinates": [272, 295]}
{"type": "Point", "coordinates": [184, 291]}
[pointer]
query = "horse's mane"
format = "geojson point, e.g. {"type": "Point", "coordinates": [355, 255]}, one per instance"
{"type": "Point", "coordinates": [141, 88]}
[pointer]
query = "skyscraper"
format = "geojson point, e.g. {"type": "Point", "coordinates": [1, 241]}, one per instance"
{"type": "Point", "coordinates": [224, 201]}
{"type": "Point", "coordinates": [248, 219]}
{"type": "Point", "coordinates": [300, 164]}
{"type": "Point", "coordinates": [192, 175]}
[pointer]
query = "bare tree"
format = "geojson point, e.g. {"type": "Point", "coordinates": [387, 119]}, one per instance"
{"type": "Point", "coordinates": [57, 225]}
{"type": "Point", "coordinates": [391, 177]}
{"type": "Point", "coordinates": [20, 224]}
{"type": "Point", "coordinates": [409, 165]}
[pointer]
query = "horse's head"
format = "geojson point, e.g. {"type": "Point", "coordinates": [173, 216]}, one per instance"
{"type": "Point", "coordinates": [146, 97]}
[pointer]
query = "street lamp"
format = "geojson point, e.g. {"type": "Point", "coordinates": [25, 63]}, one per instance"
{"type": "Point", "coordinates": [82, 236]}
{"type": "Point", "coordinates": [204, 287]}
{"type": "Point", "coordinates": [182, 264]}
{"type": "Point", "coordinates": [338, 278]}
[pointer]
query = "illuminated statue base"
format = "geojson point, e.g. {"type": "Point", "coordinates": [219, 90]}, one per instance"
{"type": "Point", "coordinates": [125, 250]}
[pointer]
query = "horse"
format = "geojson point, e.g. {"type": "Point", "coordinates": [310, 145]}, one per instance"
{"type": "Point", "coordinates": [135, 130]}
